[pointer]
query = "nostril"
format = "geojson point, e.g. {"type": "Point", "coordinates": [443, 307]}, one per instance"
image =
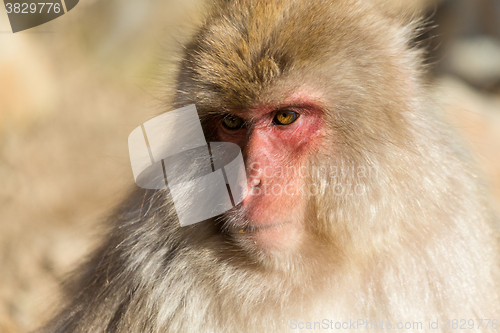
{"type": "Point", "coordinates": [255, 183]}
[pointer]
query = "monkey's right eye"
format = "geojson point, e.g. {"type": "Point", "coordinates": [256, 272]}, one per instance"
{"type": "Point", "coordinates": [233, 122]}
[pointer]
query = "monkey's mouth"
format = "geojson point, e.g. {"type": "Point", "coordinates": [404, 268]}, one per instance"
{"type": "Point", "coordinates": [238, 222]}
{"type": "Point", "coordinates": [254, 228]}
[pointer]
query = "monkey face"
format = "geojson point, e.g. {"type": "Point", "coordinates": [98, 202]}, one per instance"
{"type": "Point", "coordinates": [293, 98]}
{"type": "Point", "coordinates": [276, 142]}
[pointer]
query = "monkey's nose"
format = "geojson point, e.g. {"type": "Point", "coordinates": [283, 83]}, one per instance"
{"type": "Point", "coordinates": [254, 183]}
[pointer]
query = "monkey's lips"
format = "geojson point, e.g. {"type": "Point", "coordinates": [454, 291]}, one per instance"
{"type": "Point", "coordinates": [271, 236]}
{"type": "Point", "coordinates": [256, 217]}
{"type": "Point", "coordinates": [249, 222]}
{"type": "Point", "coordinates": [266, 233]}
{"type": "Point", "coordinates": [258, 227]}
{"type": "Point", "coordinates": [264, 219]}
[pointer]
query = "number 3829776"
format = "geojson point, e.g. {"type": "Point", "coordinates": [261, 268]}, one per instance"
{"type": "Point", "coordinates": [27, 8]}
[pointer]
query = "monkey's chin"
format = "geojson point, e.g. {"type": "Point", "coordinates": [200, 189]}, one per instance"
{"type": "Point", "coordinates": [272, 236]}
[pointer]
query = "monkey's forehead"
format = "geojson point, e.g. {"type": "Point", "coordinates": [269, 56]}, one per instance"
{"type": "Point", "coordinates": [249, 47]}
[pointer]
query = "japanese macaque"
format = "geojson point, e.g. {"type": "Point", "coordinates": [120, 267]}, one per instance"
{"type": "Point", "coordinates": [361, 206]}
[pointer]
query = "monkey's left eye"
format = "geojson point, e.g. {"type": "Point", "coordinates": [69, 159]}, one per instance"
{"type": "Point", "coordinates": [233, 122]}
{"type": "Point", "coordinates": [285, 117]}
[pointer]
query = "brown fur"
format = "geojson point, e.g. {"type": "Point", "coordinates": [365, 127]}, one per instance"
{"type": "Point", "coordinates": [417, 243]}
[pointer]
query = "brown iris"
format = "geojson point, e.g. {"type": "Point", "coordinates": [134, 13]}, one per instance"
{"type": "Point", "coordinates": [285, 117]}
{"type": "Point", "coordinates": [233, 122]}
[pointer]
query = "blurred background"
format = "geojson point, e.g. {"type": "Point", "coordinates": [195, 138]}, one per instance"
{"type": "Point", "coordinates": [72, 90]}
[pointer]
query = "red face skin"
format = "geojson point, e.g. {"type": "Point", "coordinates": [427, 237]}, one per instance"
{"type": "Point", "coordinates": [274, 155]}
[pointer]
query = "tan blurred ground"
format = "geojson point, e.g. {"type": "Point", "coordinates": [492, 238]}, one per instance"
{"type": "Point", "coordinates": [70, 93]}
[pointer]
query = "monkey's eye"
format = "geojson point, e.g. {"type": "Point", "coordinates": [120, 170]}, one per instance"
{"type": "Point", "coordinates": [285, 117]}
{"type": "Point", "coordinates": [233, 122]}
